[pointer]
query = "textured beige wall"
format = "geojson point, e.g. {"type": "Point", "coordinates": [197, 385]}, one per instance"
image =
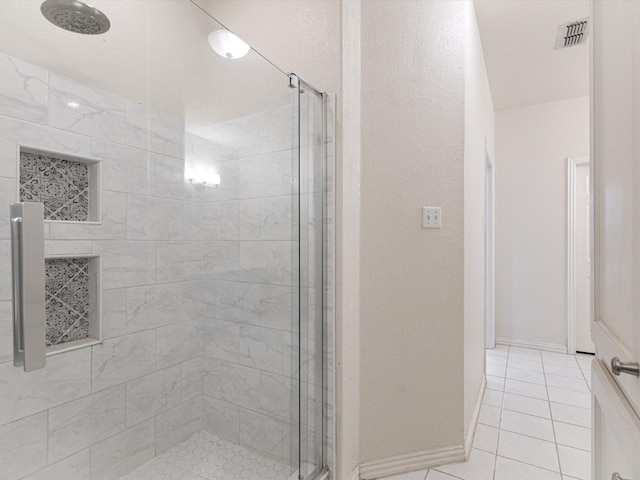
{"type": "Point", "coordinates": [411, 283]}
{"type": "Point", "coordinates": [532, 145]}
{"type": "Point", "coordinates": [479, 134]}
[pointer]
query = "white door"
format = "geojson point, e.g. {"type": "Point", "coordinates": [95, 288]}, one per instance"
{"type": "Point", "coordinates": [582, 260]}
{"type": "Point", "coordinates": [616, 260]}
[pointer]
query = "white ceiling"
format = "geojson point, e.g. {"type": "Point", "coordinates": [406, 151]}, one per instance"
{"type": "Point", "coordinates": [155, 53]}
{"type": "Point", "coordinates": [518, 39]}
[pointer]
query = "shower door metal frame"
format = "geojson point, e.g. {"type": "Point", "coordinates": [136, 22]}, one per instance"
{"type": "Point", "coordinates": [320, 238]}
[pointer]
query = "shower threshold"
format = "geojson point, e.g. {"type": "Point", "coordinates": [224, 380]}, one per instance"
{"type": "Point", "coordinates": [204, 456]}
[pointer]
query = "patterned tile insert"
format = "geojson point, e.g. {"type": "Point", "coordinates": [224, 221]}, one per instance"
{"type": "Point", "coordinates": [66, 299]}
{"type": "Point", "coordinates": [61, 185]}
{"type": "Point", "coordinates": [206, 457]}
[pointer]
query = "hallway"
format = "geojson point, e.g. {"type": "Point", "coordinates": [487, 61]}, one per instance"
{"type": "Point", "coordinates": [534, 423]}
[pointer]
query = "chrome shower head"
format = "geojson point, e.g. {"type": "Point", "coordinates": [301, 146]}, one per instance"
{"type": "Point", "coordinates": [75, 16]}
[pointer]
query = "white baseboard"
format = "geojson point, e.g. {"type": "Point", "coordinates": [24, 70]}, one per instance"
{"type": "Point", "coordinates": [326, 476]}
{"type": "Point", "coordinates": [547, 347]}
{"type": "Point", "coordinates": [411, 462]}
{"type": "Point", "coordinates": [355, 475]}
{"type": "Point", "coordinates": [471, 432]}
{"type": "Point", "coordinates": [427, 459]}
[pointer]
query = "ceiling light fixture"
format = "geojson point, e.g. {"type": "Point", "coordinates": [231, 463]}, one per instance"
{"type": "Point", "coordinates": [227, 45]}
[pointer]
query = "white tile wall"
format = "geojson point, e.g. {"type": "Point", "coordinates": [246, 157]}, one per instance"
{"type": "Point", "coordinates": [178, 424]}
{"type": "Point", "coordinates": [24, 91]}
{"type": "Point", "coordinates": [153, 394]}
{"type": "Point", "coordinates": [118, 455]}
{"type": "Point", "coordinates": [79, 424]}
{"type": "Point", "coordinates": [222, 417]}
{"type": "Point", "coordinates": [6, 332]}
{"type": "Point", "coordinates": [23, 446]}
{"type": "Point", "coordinates": [249, 342]}
{"type": "Point", "coordinates": [35, 135]}
{"type": "Point", "coordinates": [153, 306]}
{"type": "Point", "coordinates": [113, 226]}
{"type": "Point", "coordinates": [78, 108]}
{"type": "Point", "coordinates": [75, 467]}
{"type": "Point", "coordinates": [126, 264]}
{"type": "Point", "coordinates": [5, 266]}
{"type": "Point", "coordinates": [248, 363]}
{"type": "Point", "coordinates": [154, 131]}
{"type": "Point", "coordinates": [81, 401]}
{"type": "Point", "coordinates": [67, 377]}
{"type": "Point", "coordinates": [178, 343]}
{"type": "Point", "coordinates": [114, 312]}
{"type": "Point", "coordinates": [121, 359]}
{"type": "Point", "coordinates": [125, 169]}
{"type": "Point", "coordinates": [192, 373]}
{"type": "Point", "coordinates": [7, 195]}
{"type": "Point", "coordinates": [199, 284]}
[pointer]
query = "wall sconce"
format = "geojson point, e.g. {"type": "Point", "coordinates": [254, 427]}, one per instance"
{"type": "Point", "coordinates": [201, 177]}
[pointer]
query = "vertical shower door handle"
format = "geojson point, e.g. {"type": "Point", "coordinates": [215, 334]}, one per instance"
{"type": "Point", "coordinates": [27, 266]}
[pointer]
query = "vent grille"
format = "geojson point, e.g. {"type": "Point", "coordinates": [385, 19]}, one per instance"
{"type": "Point", "coordinates": [573, 33]}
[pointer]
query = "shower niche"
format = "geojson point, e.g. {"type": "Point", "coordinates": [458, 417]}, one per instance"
{"type": "Point", "coordinates": [67, 186]}
{"type": "Point", "coordinates": [72, 302]}
{"type": "Point", "coordinates": [69, 189]}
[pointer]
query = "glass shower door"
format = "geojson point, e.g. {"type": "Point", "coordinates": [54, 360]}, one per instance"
{"type": "Point", "coordinates": [312, 161]}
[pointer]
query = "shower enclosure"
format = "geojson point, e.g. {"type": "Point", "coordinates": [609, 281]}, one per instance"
{"type": "Point", "coordinates": [177, 323]}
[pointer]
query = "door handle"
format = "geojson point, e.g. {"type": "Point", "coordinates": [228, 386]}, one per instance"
{"type": "Point", "coordinates": [616, 476]}
{"type": "Point", "coordinates": [618, 367]}
{"type": "Point", "coordinates": [27, 252]}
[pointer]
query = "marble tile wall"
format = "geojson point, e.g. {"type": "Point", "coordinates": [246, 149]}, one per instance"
{"type": "Point", "coordinates": [98, 412]}
{"type": "Point", "coordinates": [250, 330]}
{"type": "Point", "coordinates": [200, 284]}
{"type": "Point", "coordinates": [250, 336]}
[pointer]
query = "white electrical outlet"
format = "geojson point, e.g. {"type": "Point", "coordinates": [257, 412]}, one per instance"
{"type": "Point", "coordinates": [431, 217]}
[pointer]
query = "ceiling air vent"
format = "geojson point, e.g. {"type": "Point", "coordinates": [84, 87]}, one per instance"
{"type": "Point", "coordinates": [573, 33]}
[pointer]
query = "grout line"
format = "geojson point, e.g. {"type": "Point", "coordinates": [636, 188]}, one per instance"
{"type": "Point", "coordinates": [435, 469]}
{"type": "Point", "coordinates": [495, 458]}
{"type": "Point", "coordinates": [530, 464]}
{"type": "Point", "coordinates": [530, 436]}
{"type": "Point", "coordinates": [553, 427]}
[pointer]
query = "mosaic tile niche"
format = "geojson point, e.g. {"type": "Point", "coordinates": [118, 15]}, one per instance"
{"type": "Point", "coordinates": [71, 301]}
{"type": "Point", "coordinates": [65, 186]}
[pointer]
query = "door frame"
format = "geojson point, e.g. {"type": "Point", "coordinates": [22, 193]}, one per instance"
{"type": "Point", "coordinates": [489, 249]}
{"type": "Point", "coordinates": [572, 164]}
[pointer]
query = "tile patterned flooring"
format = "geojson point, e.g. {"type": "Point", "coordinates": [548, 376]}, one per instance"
{"type": "Point", "coordinates": [204, 456]}
{"type": "Point", "coordinates": [535, 420]}
{"type": "Point", "coordinates": [534, 424]}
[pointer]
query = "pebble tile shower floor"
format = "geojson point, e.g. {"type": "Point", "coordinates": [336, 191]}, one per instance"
{"type": "Point", "coordinates": [534, 423]}
{"type": "Point", "coordinates": [206, 457]}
